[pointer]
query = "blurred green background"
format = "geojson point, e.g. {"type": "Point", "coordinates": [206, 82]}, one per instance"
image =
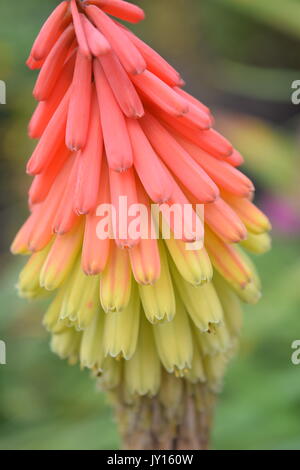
{"type": "Point", "coordinates": [240, 58]}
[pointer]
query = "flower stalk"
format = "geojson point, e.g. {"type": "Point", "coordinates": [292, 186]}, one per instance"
{"type": "Point", "coordinates": [156, 424]}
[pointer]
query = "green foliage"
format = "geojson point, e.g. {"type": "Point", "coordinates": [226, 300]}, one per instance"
{"type": "Point", "coordinates": [260, 405]}
{"type": "Point", "coordinates": [283, 16]}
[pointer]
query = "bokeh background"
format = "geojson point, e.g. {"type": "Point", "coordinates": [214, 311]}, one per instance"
{"type": "Point", "coordinates": [240, 58]}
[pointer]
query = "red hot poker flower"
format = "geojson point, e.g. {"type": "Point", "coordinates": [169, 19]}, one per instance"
{"type": "Point", "coordinates": [115, 124]}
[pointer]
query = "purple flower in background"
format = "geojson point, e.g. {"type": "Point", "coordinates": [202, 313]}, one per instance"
{"type": "Point", "coordinates": [283, 213]}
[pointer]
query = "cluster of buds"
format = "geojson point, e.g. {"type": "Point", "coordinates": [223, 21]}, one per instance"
{"type": "Point", "coordinates": [113, 120]}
